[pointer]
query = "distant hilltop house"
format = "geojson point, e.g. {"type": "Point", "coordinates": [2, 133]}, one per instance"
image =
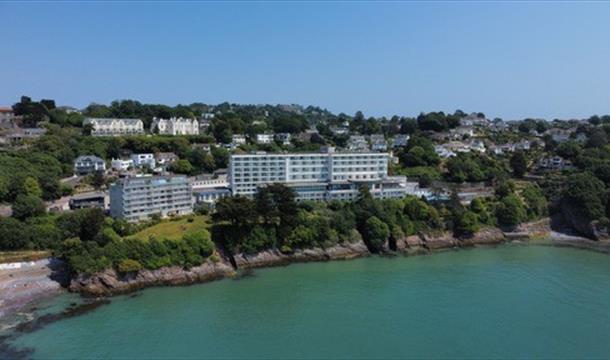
{"type": "Point", "coordinates": [115, 127]}
{"type": "Point", "coordinates": [558, 135]}
{"type": "Point", "coordinates": [474, 119]}
{"type": "Point", "coordinates": [283, 138]}
{"type": "Point", "coordinates": [264, 138]}
{"type": "Point", "coordinates": [6, 115]}
{"type": "Point", "coordinates": [238, 139]}
{"type": "Point", "coordinates": [378, 142]}
{"type": "Point", "coordinates": [16, 134]}
{"type": "Point", "coordinates": [175, 126]}
{"type": "Point", "coordinates": [400, 140]}
{"type": "Point", "coordinates": [555, 163]}
{"type": "Point", "coordinates": [357, 143]}
{"type": "Point", "coordinates": [89, 164]}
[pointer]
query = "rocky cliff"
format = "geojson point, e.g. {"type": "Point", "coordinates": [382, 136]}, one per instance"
{"type": "Point", "coordinates": [110, 282]}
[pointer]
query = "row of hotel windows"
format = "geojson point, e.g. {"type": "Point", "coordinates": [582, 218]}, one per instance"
{"type": "Point", "coordinates": [148, 210]}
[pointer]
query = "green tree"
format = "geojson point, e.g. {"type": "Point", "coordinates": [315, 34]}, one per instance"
{"type": "Point", "coordinates": [467, 223]}
{"type": "Point", "coordinates": [518, 163]}
{"type": "Point", "coordinates": [26, 206]}
{"type": "Point", "coordinates": [31, 187]}
{"type": "Point", "coordinates": [510, 211]}
{"type": "Point", "coordinates": [376, 233]}
{"type": "Point", "coordinates": [181, 166]}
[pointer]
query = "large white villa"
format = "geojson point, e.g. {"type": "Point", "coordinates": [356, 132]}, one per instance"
{"type": "Point", "coordinates": [115, 127]}
{"type": "Point", "coordinates": [175, 126]}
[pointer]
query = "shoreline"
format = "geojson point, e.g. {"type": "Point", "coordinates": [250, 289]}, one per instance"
{"type": "Point", "coordinates": [42, 279]}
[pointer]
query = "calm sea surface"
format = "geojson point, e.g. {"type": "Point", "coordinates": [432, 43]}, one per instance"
{"type": "Point", "coordinates": [507, 302]}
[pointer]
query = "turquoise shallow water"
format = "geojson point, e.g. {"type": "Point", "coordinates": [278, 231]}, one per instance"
{"type": "Point", "coordinates": [507, 302]}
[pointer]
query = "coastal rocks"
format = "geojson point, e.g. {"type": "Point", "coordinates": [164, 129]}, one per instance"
{"type": "Point", "coordinates": [439, 241]}
{"type": "Point", "coordinates": [269, 258]}
{"type": "Point", "coordinates": [530, 230]}
{"type": "Point", "coordinates": [110, 282]}
{"type": "Point", "coordinates": [486, 236]}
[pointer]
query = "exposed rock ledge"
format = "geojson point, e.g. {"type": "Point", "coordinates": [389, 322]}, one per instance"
{"type": "Point", "coordinates": [276, 258]}
{"type": "Point", "coordinates": [109, 282]}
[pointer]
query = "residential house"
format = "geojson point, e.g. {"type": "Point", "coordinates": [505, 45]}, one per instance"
{"type": "Point", "coordinates": [88, 200]}
{"type": "Point", "coordinates": [283, 138]}
{"type": "Point", "coordinates": [556, 163]}
{"type": "Point", "coordinates": [121, 165]}
{"type": "Point", "coordinates": [238, 139]}
{"type": "Point", "coordinates": [264, 138]}
{"type": "Point", "coordinates": [115, 127]}
{"type": "Point", "coordinates": [89, 164]}
{"type": "Point", "coordinates": [400, 140]}
{"type": "Point", "coordinates": [357, 143]}
{"type": "Point", "coordinates": [378, 143]}
{"type": "Point", "coordinates": [165, 158]}
{"type": "Point", "coordinates": [141, 160]}
{"type": "Point", "coordinates": [443, 152]}
{"type": "Point", "coordinates": [558, 135]}
{"type": "Point", "coordinates": [175, 126]}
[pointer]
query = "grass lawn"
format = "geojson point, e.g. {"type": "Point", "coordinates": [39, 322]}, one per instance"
{"type": "Point", "coordinates": [173, 230]}
{"type": "Point", "coordinates": [22, 255]}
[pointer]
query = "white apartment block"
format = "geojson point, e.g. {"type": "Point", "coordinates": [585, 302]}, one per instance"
{"type": "Point", "coordinates": [138, 198]}
{"type": "Point", "coordinates": [316, 176]}
{"type": "Point", "coordinates": [115, 127]}
{"type": "Point", "coordinates": [175, 126]}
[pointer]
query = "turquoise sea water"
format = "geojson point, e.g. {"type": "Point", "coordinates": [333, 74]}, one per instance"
{"type": "Point", "coordinates": [506, 302]}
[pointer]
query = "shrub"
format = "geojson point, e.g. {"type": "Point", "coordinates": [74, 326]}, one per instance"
{"type": "Point", "coordinates": [129, 266]}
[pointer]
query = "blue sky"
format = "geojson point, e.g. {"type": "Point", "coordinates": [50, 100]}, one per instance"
{"type": "Point", "coordinates": [507, 59]}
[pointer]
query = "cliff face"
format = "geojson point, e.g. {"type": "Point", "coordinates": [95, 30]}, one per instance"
{"type": "Point", "coordinates": [274, 257]}
{"type": "Point", "coordinates": [109, 282]}
{"type": "Point", "coordinates": [585, 227]}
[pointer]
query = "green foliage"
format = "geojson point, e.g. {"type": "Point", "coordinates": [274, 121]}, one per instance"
{"type": "Point", "coordinates": [12, 236]}
{"type": "Point", "coordinates": [473, 167]}
{"type": "Point", "coordinates": [182, 166]}
{"type": "Point", "coordinates": [586, 195]}
{"type": "Point", "coordinates": [510, 211]}
{"type": "Point", "coordinates": [535, 202]}
{"type": "Point", "coordinates": [518, 163]}
{"type": "Point", "coordinates": [26, 206]}
{"type": "Point", "coordinates": [376, 233]}
{"type": "Point", "coordinates": [466, 224]}
{"type": "Point", "coordinates": [129, 266]}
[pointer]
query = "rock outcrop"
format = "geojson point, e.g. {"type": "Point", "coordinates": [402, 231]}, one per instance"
{"type": "Point", "coordinates": [110, 282]}
{"type": "Point", "coordinates": [269, 258]}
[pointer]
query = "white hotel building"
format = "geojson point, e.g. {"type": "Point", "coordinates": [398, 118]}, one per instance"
{"type": "Point", "coordinates": [316, 176]}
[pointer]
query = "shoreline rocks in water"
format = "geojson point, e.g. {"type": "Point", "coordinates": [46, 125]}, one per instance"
{"type": "Point", "coordinates": [110, 282]}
